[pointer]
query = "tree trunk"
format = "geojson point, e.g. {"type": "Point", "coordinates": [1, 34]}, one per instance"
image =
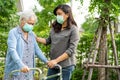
{"type": "Point", "coordinates": [103, 43]}
{"type": "Point", "coordinates": [102, 54]}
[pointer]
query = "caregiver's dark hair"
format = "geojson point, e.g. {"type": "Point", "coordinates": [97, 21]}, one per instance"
{"type": "Point", "coordinates": [70, 21]}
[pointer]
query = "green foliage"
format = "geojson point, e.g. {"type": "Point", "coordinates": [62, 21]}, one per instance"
{"type": "Point", "coordinates": [46, 16]}
{"type": "Point", "coordinates": [44, 48]}
{"type": "Point", "coordinates": [52, 3]}
{"type": "Point", "coordinates": [105, 8]}
{"type": "Point", "coordinates": [83, 51]}
{"type": "Point", "coordinates": [8, 20]}
{"type": "Point", "coordinates": [108, 10]}
{"type": "Point", "coordinates": [112, 5]}
{"type": "Point", "coordinates": [110, 52]}
{"type": "Point", "coordinates": [78, 73]}
{"type": "Point", "coordinates": [3, 42]}
{"type": "Point", "coordinates": [90, 25]}
{"type": "Point", "coordinates": [1, 71]}
{"type": "Point", "coordinates": [7, 8]}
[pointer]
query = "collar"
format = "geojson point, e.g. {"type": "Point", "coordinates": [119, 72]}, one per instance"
{"type": "Point", "coordinates": [19, 30]}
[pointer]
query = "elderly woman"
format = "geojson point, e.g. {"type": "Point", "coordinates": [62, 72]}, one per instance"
{"type": "Point", "coordinates": [22, 48]}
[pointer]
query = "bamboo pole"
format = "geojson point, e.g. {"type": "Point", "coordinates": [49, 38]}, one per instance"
{"type": "Point", "coordinates": [95, 52]}
{"type": "Point", "coordinates": [90, 52]}
{"type": "Point", "coordinates": [101, 66]}
{"type": "Point", "coordinates": [114, 49]}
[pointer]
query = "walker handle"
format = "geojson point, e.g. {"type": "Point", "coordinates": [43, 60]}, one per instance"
{"type": "Point", "coordinates": [37, 69]}
{"type": "Point", "coordinates": [55, 75]}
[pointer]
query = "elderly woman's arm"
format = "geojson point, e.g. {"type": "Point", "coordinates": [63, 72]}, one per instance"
{"type": "Point", "coordinates": [12, 43]}
{"type": "Point", "coordinates": [39, 53]}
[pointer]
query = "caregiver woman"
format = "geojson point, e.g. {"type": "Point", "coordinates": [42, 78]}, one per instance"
{"type": "Point", "coordinates": [63, 38]}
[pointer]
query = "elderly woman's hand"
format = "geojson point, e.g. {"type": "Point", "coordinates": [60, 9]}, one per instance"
{"type": "Point", "coordinates": [25, 69]}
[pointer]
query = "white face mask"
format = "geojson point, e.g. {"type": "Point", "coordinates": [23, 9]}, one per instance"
{"type": "Point", "coordinates": [60, 19]}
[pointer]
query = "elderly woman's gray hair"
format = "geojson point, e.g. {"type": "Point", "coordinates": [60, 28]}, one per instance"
{"type": "Point", "coordinates": [26, 15]}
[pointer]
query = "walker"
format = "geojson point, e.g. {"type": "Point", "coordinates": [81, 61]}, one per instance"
{"type": "Point", "coordinates": [40, 73]}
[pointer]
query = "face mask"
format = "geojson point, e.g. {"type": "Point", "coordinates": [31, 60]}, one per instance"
{"type": "Point", "coordinates": [60, 19]}
{"type": "Point", "coordinates": [27, 27]}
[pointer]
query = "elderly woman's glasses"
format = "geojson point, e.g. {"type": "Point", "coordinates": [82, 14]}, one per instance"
{"type": "Point", "coordinates": [31, 23]}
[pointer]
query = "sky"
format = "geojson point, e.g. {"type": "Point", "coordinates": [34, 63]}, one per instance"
{"type": "Point", "coordinates": [29, 4]}
{"type": "Point", "coordinates": [79, 11]}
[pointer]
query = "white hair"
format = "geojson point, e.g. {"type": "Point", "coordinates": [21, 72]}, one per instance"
{"type": "Point", "coordinates": [26, 15]}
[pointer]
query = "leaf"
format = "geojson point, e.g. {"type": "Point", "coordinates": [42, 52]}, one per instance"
{"type": "Point", "coordinates": [115, 6]}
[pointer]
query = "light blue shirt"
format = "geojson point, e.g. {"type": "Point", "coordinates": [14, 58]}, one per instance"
{"type": "Point", "coordinates": [16, 50]}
